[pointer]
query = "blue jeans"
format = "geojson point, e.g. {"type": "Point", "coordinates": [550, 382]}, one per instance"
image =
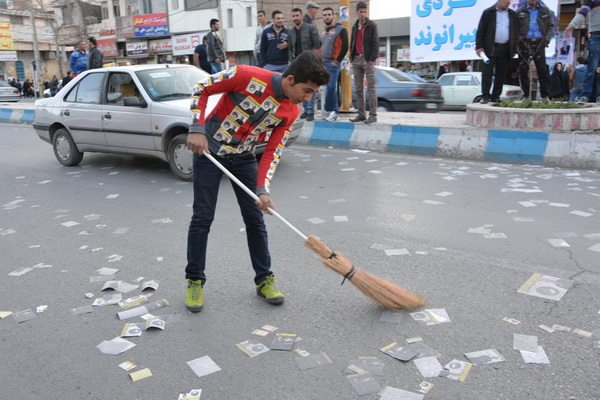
{"type": "Point", "coordinates": [216, 67]}
{"type": "Point", "coordinates": [309, 107]}
{"type": "Point", "coordinates": [576, 94]}
{"type": "Point", "coordinates": [591, 67]}
{"type": "Point", "coordinates": [207, 178]}
{"type": "Point", "coordinates": [278, 68]}
{"type": "Point", "coordinates": [331, 94]}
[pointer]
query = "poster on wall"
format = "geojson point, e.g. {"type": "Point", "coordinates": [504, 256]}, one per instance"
{"type": "Point", "coordinates": [108, 47]}
{"type": "Point", "coordinates": [6, 36]}
{"type": "Point", "coordinates": [8, 55]}
{"type": "Point", "coordinates": [403, 55]}
{"type": "Point", "coordinates": [185, 44]}
{"type": "Point", "coordinates": [446, 29]}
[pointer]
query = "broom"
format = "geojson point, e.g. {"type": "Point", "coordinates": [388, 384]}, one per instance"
{"type": "Point", "coordinates": [386, 293]}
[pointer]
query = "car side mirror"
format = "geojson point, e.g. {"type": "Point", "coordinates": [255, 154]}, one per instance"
{"type": "Point", "coordinates": [134, 101]}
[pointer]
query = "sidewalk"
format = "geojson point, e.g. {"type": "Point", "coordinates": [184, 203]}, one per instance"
{"type": "Point", "coordinates": [436, 134]}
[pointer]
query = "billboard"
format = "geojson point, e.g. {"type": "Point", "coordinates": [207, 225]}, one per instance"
{"type": "Point", "coordinates": [185, 44]}
{"type": "Point", "coordinates": [445, 30]}
{"type": "Point", "coordinates": [151, 25]}
{"type": "Point", "coordinates": [108, 47]}
{"type": "Point", "coordinates": [137, 49]}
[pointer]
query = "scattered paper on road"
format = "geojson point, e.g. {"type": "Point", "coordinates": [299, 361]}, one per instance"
{"type": "Point", "coordinates": [203, 366]}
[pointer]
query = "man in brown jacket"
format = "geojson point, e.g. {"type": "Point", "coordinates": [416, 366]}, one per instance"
{"type": "Point", "coordinates": [364, 51]}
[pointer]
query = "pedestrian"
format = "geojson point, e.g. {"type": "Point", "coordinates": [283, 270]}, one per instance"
{"type": "Point", "coordinates": [595, 91]}
{"type": "Point", "coordinates": [497, 38]}
{"type": "Point", "coordinates": [19, 86]}
{"type": "Point", "coordinates": [261, 25]}
{"type": "Point", "coordinates": [95, 55]}
{"type": "Point", "coordinates": [577, 76]}
{"type": "Point", "coordinates": [28, 89]}
{"type": "Point", "coordinates": [269, 102]}
{"type": "Point", "coordinates": [399, 66]}
{"type": "Point", "coordinates": [53, 85]}
{"type": "Point", "coordinates": [469, 67]}
{"type": "Point", "coordinates": [412, 71]}
{"type": "Point", "coordinates": [274, 54]}
{"type": "Point", "coordinates": [536, 28]}
{"type": "Point", "coordinates": [334, 46]}
{"type": "Point", "coordinates": [201, 57]}
{"type": "Point", "coordinates": [79, 59]}
{"type": "Point", "coordinates": [67, 79]}
{"type": "Point", "coordinates": [589, 8]}
{"type": "Point", "coordinates": [312, 9]}
{"type": "Point", "coordinates": [365, 44]}
{"type": "Point", "coordinates": [302, 37]}
{"type": "Point", "coordinates": [215, 47]}
{"type": "Point", "coordinates": [559, 81]}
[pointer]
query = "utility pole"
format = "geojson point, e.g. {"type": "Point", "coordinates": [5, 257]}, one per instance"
{"type": "Point", "coordinates": [346, 100]}
{"type": "Point", "coordinates": [37, 70]}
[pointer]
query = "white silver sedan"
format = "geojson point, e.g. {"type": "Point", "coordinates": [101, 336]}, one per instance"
{"type": "Point", "coordinates": [140, 110]}
{"type": "Point", "coordinates": [461, 89]}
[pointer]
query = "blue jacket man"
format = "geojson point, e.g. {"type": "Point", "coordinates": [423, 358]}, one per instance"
{"type": "Point", "coordinates": [79, 59]}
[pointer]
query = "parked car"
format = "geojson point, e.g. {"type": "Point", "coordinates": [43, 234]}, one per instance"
{"type": "Point", "coordinates": [140, 110]}
{"type": "Point", "coordinates": [8, 93]}
{"type": "Point", "coordinates": [460, 89]}
{"type": "Point", "coordinates": [401, 92]}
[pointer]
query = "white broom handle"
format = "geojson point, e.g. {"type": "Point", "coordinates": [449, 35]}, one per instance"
{"type": "Point", "coordinates": [253, 195]}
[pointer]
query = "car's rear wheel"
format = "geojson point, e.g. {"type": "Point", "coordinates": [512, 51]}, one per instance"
{"type": "Point", "coordinates": [65, 149]}
{"type": "Point", "coordinates": [383, 106]}
{"type": "Point", "coordinates": [181, 157]}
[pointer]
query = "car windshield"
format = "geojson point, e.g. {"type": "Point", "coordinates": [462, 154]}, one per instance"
{"type": "Point", "coordinates": [170, 83]}
{"type": "Point", "coordinates": [398, 75]}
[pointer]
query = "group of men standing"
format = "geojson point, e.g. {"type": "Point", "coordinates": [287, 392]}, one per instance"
{"type": "Point", "coordinates": [276, 46]}
{"type": "Point", "coordinates": [82, 60]}
{"type": "Point", "coordinates": [527, 31]}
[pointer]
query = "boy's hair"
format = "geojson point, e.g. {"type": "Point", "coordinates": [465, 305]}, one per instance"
{"type": "Point", "coordinates": [261, 11]}
{"type": "Point", "coordinates": [275, 12]}
{"type": "Point", "coordinates": [297, 10]}
{"type": "Point", "coordinates": [213, 22]}
{"type": "Point", "coordinates": [306, 67]}
{"type": "Point", "coordinates": [92, 40]}
{"type": "Point", "coordinates": [581, 60]}
{"type": "Point", "coordinates": [361, 5]}
{"type": "Point", "coordinates": [328, 9]}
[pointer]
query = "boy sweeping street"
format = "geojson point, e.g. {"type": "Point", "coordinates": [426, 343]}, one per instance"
{"type": "Point", "coordinates": [260, 105]}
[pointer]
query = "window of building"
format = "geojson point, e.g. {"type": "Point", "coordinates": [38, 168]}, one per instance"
{"type": "Point", "coordinates": [175, 4]}
{"type": "Point", "coordinates": [200, 4]}
{"type": "Point", "coordinates": [147, 6]}
{"type": "Point", "coordinates": [116, 8]}
{"type": "Point", "coordinates": [20, 70]}
{"type": "Point", "coordinates": [16, 20]}
{"type": "Point", "coordinates": [230, 18]}
{"type": "Point", "coordinates": [132, 7]}
{"type": "Point", "coordinates": [249, 16]}
{"type": "Point", "coordinates": [104, 7]}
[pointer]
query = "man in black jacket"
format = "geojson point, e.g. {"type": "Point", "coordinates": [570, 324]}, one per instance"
{"type": "Point", "coordinates": [497, 38]}
{"type": "Point", "coordinates": [365, 44]}
{"type": "Point", "coordinates": [95, 55]}
{"type": "Point", "coordinates": [536, 28]}
{"type": "Point", "coordinates": [215, 47]}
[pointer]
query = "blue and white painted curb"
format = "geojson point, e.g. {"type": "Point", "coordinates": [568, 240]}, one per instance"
{"type": "Point", "coordinates": [18, 116]}
{"type": "Point", "coordinates": [553, 149]}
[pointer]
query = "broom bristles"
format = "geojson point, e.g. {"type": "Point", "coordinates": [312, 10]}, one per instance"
{"type": "Point", "coordinates": [382, 291]}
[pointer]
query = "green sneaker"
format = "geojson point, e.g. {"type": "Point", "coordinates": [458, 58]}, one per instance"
{"type": "Point", "coordinates": [194, 300]}
{"type": "Point", "coordinates": [268, 290]}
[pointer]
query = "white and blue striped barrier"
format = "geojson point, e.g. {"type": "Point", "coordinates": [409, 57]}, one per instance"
{"type": "Point", "coordinates": [554, 149]}
{"type": "Point", "coordinates": [16, 115]}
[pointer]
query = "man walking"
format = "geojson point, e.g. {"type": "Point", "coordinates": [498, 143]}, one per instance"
{"type": "Point", "coordinates": [589, 8]}
{"type": "Point", "coordinates": [79, 59]}
{"type": "Point", "coordinates": [95, 55]}
{"type": "Point", "coordinates": [312, 9]}
{"type": "Point", "coordinates": [365, 44]}
{"type": "Point", "coordinates": [261, 25]}
{"type": "Point", "coordinates": [301, 37]}
{"type": "Point", "coordinates": [274, 44]}
{"type": "Point", "coordinates": [536, 28]}
{"type": "Point", "coordinates": [497, 38]}
{"type": "Point", "coordinates": [334, 46]}
{"type": "Point", "coordinates": [215, 47]}
{"type": "Point", "coordinates": [260, 106]}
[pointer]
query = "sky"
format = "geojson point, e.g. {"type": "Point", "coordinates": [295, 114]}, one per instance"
{"type": "Point", "coordinates": [380, 9]}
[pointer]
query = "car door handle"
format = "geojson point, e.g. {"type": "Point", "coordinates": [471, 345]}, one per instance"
{"type": "Point", "coordinates": [67, 113]}
{"type": "Point", "coordinates": [107, 116]}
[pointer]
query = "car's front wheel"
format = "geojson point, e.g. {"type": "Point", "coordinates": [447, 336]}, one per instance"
{"type": "Point", "coordinates": [181, 157]}
{"type": "Point", "coordinates": [65, 149]}
{"type": "Point", "coordinates": [383, 106]}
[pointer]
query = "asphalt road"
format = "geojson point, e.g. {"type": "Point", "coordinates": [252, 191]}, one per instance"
{"type": "Point", "coordinates": [131, 214]}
